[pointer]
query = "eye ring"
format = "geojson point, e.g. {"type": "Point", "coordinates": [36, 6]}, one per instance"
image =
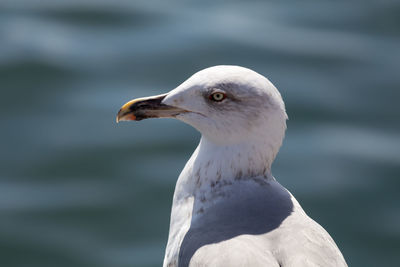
{"type": "Point", "coordinates": [217, 96]}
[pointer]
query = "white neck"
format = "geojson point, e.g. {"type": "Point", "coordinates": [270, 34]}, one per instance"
{"type": "Point", "coordinates": [211, 168]}
{"type": "Point", "coordinates": [214, 163]}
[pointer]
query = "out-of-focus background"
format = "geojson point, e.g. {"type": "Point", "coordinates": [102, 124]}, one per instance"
{"type": "Point", "coordinates": [76, 189]}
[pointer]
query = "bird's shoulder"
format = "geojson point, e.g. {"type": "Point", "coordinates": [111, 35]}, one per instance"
{"type": "Point", "coordinates": [306, 247]}
{"type": "Point", "coordinates": [262, 225]}
{"type": "Point", "coordinates": [300, 241]}
{"type": "Point", "coordinates": [236, 252]}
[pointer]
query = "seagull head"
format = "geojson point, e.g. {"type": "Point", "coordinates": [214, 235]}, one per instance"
{"type": "Point", "coordinates": [227, 104]}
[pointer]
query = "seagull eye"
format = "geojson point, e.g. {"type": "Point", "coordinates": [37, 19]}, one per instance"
{"type": "Point", "coordinates": [217, 96]}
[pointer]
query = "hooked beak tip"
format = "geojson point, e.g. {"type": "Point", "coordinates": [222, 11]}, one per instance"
{"type": "Point", "coordinates": [141, 108]}
{"type": "Point", "coordinates": [124, 115]}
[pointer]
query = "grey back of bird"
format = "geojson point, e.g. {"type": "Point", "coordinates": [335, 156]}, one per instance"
{"type": "Point", "coordinates": [261, 224]}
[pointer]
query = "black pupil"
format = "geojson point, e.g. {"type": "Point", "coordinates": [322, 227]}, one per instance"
{"type": "Point", "coordinates": [218, 96]}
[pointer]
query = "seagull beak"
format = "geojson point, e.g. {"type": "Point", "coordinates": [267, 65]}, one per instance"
{"type": "Point", "coordinates": [147, 107]}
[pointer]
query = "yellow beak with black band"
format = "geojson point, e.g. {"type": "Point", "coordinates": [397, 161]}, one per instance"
{"type": "Point", "coordinates": [147, 107]}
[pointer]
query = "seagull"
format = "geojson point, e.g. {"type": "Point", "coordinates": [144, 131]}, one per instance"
{"type": "Point", "coordinates": [228, 209]}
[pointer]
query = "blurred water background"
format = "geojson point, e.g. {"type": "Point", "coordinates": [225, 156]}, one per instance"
{"type": "Point", "coordinates": [76, 189]}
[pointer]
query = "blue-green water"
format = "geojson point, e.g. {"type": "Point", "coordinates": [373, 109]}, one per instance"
{"type": "Point", "coordinates": [76, 189]}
